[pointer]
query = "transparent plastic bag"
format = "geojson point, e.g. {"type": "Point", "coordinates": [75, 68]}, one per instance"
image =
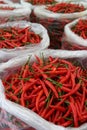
{"type": "Point", "coordinates": [26, 115]}
{"type": "Point", "coordinates": [6, 54]}
{"type": "Point", "coordinates": [18, 12]}
{"type": "Point", "coordinates": [10, 122]}
{"type": "Point", "coordinates": [72, 41]}
{"type": "Point", "coordinates": [55, 22]}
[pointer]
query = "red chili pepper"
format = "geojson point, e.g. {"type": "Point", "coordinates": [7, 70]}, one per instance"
{"type": "Point", "coordinates": [74, 114]}
{"type": "Point", "coordinates": [37, 99]}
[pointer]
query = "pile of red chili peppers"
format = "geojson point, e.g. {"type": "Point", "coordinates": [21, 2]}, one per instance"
{"type": "Point", "coordinates": [81, 28]}
{"type": "Point", "coordinates": [56, 27]}
{"type": "Point", "coordinates": [40, 2]}
{"type": "Point", "coordinates": [54, 88]}
{"type": "Point", "coordinates": [16, 37]}
{"type": "Point", "coordinates": [6, 8]}
{"type": "Point", "coordinates": [66, 8]}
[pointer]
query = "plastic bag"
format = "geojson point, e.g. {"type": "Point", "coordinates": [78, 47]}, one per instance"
{"type": "Point", "coordinates": [55, 22]}
{"type": "Point", "coordinates": [6, 54]}
{"type": "Point", "coordinates": [72, 41]}
{"type": "Point", "coordinates": [8, 121]}
{"type": "Point", "coordinates": [25, 114]}
{"type": "Point", "coordinates": [19, 12]}
{"type": "Point", "coordinates": [4, 2]}
{"type": "Point", "coordinates": [15, 1]}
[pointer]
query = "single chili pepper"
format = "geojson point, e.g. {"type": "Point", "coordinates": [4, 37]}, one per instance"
{"type": "Point", "coordinates": [56, 116]}
{"type": "Point", "coordinates": [25, 88]}
{"type": "Point", "coordinates": [83, 97]}
{"type": "Point", "coordinates": [44, 88]}
{"type": "Point", "coordinates": [78, 110]}
{"type": "Point", "coordinates": [37, 99]}
{"type": "Point", "coordinates": [52, 87]}
{"type": "Point", "coordinates": [66, 77]}
{"type": "Point", "coordinates": [49, 113]}
{"type": "Point", "coordinates": [73, 76]}
{"type": "Point", "coordinates": [58, 108]}
{"type": "Point", "coordinates": [74, 114]}
{"type": "Point", "coordinates": [73, 91]}
{"type": "Point", "coordinates": [67, 123]}
{"type": "Point", "coordinates": [22, 100]}
{"type": "Point", "coordinates": [67, 113]}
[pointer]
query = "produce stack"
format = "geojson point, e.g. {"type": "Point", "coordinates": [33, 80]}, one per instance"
{"type": "Point", "coordinates": [55, 17]}
{"type": "Point", "coordinates": [43, 65]}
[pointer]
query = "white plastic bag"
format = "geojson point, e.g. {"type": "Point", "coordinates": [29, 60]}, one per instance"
{"type": "Point", "coordinates": [19, 12]}
{"type": "Point", "coordinates": [12, 123]}
{"type": "Point", "coordinates": [6, 54]}
{"type": "Point", "coordinates": [25, 114]}
{"type": "Point", "coordinates": [72, 41]}
{"type": "Point", "coordinates": [42, 12]}
{"type": "Point", "coordinates": [55, 22]}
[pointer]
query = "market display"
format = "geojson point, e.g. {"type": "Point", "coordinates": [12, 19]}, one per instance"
{"type": "Point", "coordinates": [55, 17]}
{"type": "Point", "coordinates": [43, 64]}
{"type": "Point", "coordinates": [53, 88]}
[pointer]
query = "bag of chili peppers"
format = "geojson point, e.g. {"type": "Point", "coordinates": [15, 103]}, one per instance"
{"type": "Point", "coordinates": [14, 12]}
{"type": "Point", "coordinates": [10, 122]}
{"type": "Point", "coordinates": [75, 35]}
{"type": "Point", "coordinates": [47, 90]}
{"type": "Point", "coordinates": [55, 17]}
{"type": "Point", "coordinates": [20, 37]}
